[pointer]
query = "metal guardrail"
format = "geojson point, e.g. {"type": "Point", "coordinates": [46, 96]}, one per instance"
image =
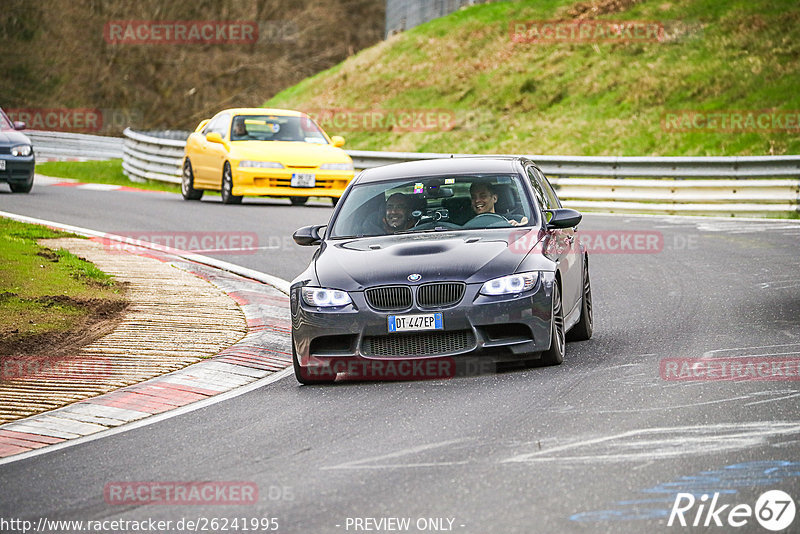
{"type": "Point", "coordinates": [73, 146]}
{"type": "Point", "coordinates": [153, 156]}
{"type": "Point", "coordinates": [730, 186]}
{"type": "Point", "coordinates": [624, 167]}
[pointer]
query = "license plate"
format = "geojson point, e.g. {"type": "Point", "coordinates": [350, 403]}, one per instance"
{"type": "Point", "coordinates": [2, 164]}
{"type": "Point", "coordinates": [304, 180]}
{"type": "Point", "coordinates": [414, 323]}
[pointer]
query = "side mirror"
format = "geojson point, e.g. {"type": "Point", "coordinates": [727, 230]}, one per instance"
{"type": "Point", "coordinates": [214, 137]}
{"type": "Point", "coordinates": [308, 235]}
{"type": "Point", "coordinates": [19, 125]}
{"type": "Point", "coordinates": [337, 140]}
{"type": "Point", "coordinates": [563, 218]}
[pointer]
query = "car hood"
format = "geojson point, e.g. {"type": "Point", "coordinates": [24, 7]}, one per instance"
{"type": "Point", "coordinates": [289, 153]}
{"type": "Point", "coordinates": [13, 138]}
{"type": "Point", "coordinates": [472, 257]}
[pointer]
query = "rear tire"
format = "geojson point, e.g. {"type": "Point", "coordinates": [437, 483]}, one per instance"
{"type": "Point", "coordinates": [555, 354]}
{"type": "Point", "coordinates": [303, 376]}
{"type": "Point", "coordinates": [585, 326]}
{"type": "Point", "coordinates": [298, 201]}
{"type": "Point", "coordinates": [227, 186]}
{"type": "Point", "coordinates": [187, 183]}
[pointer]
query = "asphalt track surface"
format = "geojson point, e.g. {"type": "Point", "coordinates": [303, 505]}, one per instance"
{"type": "Point", "coordinates": [602, 443]}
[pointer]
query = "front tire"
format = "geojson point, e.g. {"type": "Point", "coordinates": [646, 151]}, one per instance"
{"type": "Point", "coordinates": [303, 376]}
{"type": "Point", "coordinates": [23, 187]}
{"type": "Point", "coordinates": [555, 354]}
{"type": "Point", "coordinates": [298, 201]}
{"type": "Point", "coordinates": [585, 326]}
{"type": "Point", "coordinates": [187, 183]}
{"type": "Point", "coordinates": [227, 186]}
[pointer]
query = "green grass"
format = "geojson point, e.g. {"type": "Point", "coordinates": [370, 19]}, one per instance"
{"type": "Point", "coordinates": [44, 291]}
{"type": "Point", "coordinates": [99, 172]}
{"type": "Point", "coordinates": [575, 98]}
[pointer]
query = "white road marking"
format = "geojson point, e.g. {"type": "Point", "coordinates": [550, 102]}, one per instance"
{"type": "Point", "coordinates": [773, 399]}
{"type": "Point", "coordinates": [359, 464]}
{"type": "Point", "coordinates": [756, 351]}
{"type": "Point", "coordinates": [99, 187]}
{"type": "Point", "coordinates": [662, 443]}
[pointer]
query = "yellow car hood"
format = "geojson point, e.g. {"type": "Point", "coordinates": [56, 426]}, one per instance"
{"type": "Point", "coordinates": [289, 153]}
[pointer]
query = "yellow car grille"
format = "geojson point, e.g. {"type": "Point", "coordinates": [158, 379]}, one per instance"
{"type": "Point", "coordinates": [287, 182]}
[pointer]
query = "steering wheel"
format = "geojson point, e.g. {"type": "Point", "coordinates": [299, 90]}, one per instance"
{"type": "Point", "coordinates": [485, 220]}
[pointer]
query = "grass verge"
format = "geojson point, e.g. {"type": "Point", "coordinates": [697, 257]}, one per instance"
{"type": "Point", "coordinates": [99, 172]}
{"type": "Point", "coordinates": [48, 295]}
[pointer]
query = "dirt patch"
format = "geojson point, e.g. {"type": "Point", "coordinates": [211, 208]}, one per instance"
{"type": "Point", "coordinates": [102, 318]}
{"type": "Point", "coordinates": [590, 10]}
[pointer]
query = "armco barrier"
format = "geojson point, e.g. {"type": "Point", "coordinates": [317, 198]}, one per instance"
{"type": "Point", "coordinates": [731, 186]}
{"type": "Point", "coordinates": [154, 155]}
{"type": "Point", "coordinates": [73, 146]}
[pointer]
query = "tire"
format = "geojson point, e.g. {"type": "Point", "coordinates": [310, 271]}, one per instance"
{"type": "Point", "coordinates": [585, 326]}
{"type": "Point", "coordinates": [334, 201]}
{"type": "Point", "coordinates": [555, 354]}
{"type": "Point", "coordinates": [302, 374]}
{"type": "Point", "coordinates": [187, 183]}
{"type": "Point", "coordinates": [227, 186]}
{"type": "Point", "coordinates": [22, 188]}
{"type": "Point", "coordinates": [298, 201]}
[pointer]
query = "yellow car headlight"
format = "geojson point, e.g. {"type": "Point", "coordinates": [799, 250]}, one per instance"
{"type": "Point", "coordinates": [260, 164]}
{"type": "Point", "coordinates": [337, 166]}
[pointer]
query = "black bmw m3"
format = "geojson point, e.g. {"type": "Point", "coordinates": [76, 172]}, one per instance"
{"type": "Point", "coordinates": [428, 264]}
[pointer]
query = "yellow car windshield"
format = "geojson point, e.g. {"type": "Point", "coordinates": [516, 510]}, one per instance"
{"type": "Point", "coordinates": [276, 128]}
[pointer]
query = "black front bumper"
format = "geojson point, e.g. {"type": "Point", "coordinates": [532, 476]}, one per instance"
{"type": "Point", "coordinates": [356, 337]}
{"type": "Point", "coordinates": [19, 170]}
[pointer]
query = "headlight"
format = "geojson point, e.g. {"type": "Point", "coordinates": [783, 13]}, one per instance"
{"type": "Point", "coordinates": [21, 150]}
{"type": "Point", "coordinates": [261, 164]}
{"type": "Point", "coordinates": [507, 285]}
{"type": "Point", "coordinates": [325, 298]}
{"type": "Point", "coordinates": [337, 166]}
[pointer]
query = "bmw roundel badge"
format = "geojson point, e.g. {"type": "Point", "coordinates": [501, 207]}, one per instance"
{"type": "Point", "coordinates": [414, 277]}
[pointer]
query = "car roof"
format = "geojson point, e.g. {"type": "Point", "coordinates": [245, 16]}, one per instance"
{"type": "Point", "coordinates": [263, 111]}
{"type": "Point", "coordinates": [431, 167]}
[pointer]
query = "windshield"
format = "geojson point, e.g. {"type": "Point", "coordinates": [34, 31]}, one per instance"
{"type": "Point", "coordinates": [276, 128]}
{"type": "Point", "coordinates": [433, 203]}
{"type": "Point", "coordinates": [5, 124]}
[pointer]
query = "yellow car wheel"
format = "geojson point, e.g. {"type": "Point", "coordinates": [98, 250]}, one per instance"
{"type": "Point", "coordinates": [187, 183]}
{"type": "Point", "coordinates": [227, 186]}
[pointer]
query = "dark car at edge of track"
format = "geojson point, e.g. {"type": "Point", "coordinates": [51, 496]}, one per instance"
{"type": "Point", "coordinates": [16, 155]}
{"type": "Point", "coordinates": [482, 263]}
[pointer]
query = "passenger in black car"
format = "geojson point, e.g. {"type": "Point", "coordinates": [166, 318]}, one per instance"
{"type": "Point", "coordinates": [396, 218]}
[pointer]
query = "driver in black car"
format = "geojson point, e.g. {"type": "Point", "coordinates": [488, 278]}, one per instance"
{"type": "Point", "coordinates": [484, 199]}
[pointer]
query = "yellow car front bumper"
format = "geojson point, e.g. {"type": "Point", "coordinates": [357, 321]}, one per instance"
{"type": "Point", "coordinates": [278, 182]}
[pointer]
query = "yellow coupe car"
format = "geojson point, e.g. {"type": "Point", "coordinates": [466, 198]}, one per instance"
{"type": "Point", "coordinates": [264, 152]}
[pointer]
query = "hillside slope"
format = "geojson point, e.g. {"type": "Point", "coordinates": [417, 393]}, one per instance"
{"type": "Point", "coordinates": [578, 98]}
{"type": "Point", "coordinates": [61, 56]}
